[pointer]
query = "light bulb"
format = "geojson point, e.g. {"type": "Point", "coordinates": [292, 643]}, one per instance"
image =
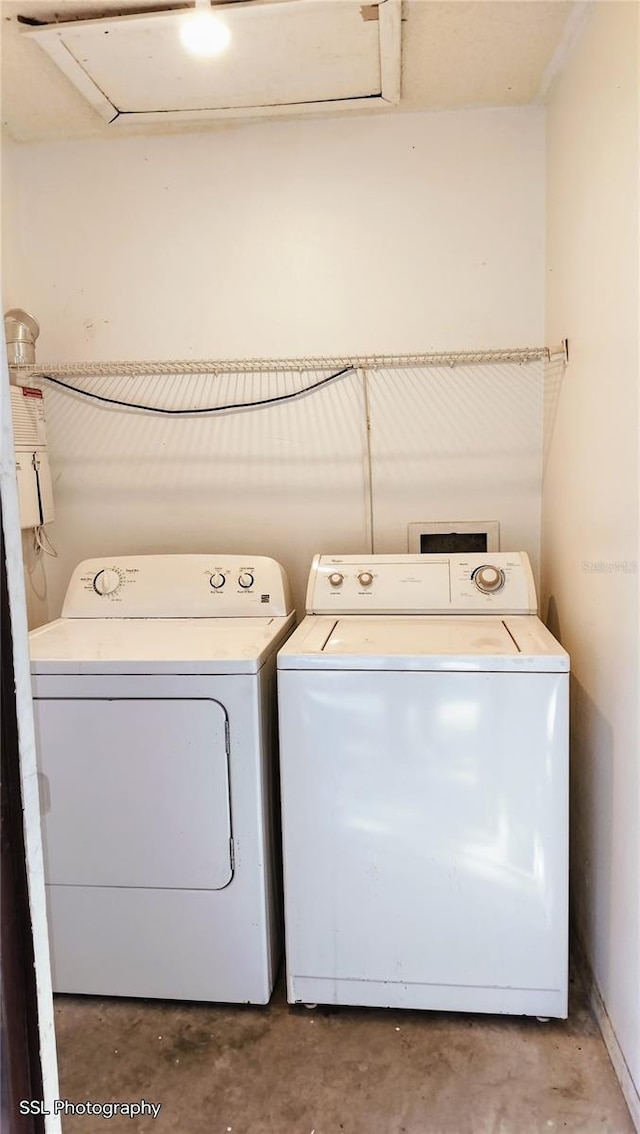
{"type": "Point", "coordinates": [202, 33]}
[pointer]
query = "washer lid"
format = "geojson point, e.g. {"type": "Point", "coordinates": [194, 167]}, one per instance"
{"type": "Point", "coordinates": [420, 636]}
{"type": "Point", "coordinates": [424, 643]}
{"type": "Point", "coordinates": [156, 645]}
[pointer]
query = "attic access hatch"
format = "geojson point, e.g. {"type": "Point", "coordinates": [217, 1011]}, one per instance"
{"type": "Point", "coordinates": [290, 56]}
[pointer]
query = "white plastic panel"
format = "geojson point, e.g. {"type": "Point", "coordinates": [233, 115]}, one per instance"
{"type": "Point", "coordinates": [303, 52]}
{"type": "Point", "coordinates": [135, 792]}
{"type": "Point", "coordinates": [27, 490]}
{"type": "Point", "coordinates": [177, 586]}
{"type": "Point", "coordinates": [44, 487]}
{"type": "Point", "coordinates": [398, 584]}
{"type": "Point", "coordinates": [35, 492]}
{"type": "Point", "coordinates": [27, 412]}
{"type": "Point", "coordinates": [425, 822]}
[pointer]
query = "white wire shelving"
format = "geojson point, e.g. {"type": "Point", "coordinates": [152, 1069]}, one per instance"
{"type": "Point", "coordinates": [24, 374]}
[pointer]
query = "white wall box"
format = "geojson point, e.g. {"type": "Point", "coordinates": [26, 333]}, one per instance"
{"type": "Point", "coordinates": [282, 57]}
{"type": "Point", "coordinates": [454, 535]}
{"type": "Point", "coordinates": [35, 493]}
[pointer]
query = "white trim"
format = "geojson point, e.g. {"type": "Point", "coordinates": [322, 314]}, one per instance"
{"type": "Point", "coordinates": [51, 41]}
{"type": "Point", "coordinates": [27, 751]}
{"type": "Point", "coordinates": [616, 1055]}
{"type": "Point", "coordinates": [362, 102]}
{"type": "Point", "coordinates": [390, 39]}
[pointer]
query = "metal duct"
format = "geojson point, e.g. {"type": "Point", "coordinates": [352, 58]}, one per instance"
{"type": "Point", "coordinates": [21, 331]}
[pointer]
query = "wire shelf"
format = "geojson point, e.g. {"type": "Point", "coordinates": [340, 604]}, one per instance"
{"type": "Point", "coordinates": [25, 373]}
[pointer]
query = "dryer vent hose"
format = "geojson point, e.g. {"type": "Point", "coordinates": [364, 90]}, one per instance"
{"type": "Point", "coordinates": [21, 331]}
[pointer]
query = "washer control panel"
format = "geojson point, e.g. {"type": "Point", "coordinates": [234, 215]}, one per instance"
{"type": "Point", "coordinates": [178, 586]}
{"type": "Point", "coordinates": [489, 579]}
{"type": "Point", "coordinates": [491, 582]}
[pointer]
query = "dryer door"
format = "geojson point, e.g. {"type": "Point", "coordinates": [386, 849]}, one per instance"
{"type": "Point", "coordinates": [136, 792]}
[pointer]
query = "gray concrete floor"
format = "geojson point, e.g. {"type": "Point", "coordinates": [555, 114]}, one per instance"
{"type": "Point", "coordinates": [281, 1070]}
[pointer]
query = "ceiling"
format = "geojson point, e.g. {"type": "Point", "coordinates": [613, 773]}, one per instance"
{"type": "Point", "coordinates": [455, 54]}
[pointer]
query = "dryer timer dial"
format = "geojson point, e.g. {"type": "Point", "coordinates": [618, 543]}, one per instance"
{"type": "Point", "coordinates": [106, 581]}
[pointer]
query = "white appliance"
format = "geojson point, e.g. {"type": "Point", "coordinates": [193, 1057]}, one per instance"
{"type": "Point", "coordinates": [35, 493]}
{"type": "Point", "coordinates": [155, 720]}
{"type": "Point", "coordinates": [424, 777]}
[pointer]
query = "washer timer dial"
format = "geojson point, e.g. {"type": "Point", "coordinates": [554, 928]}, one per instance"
{"type": "Point", "coordinates": [489, 579]}
{"type": "Point", "coordinates": [245, 579]}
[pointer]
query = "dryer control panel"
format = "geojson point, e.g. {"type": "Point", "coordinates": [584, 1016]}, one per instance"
{"type": "Point", "coordinates": [487, 583]}
{"type": "Point", "coordinates": [178, 586]}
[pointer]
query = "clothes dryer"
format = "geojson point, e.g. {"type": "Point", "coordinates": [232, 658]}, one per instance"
{"type": "Point", "coordinates": [154, 700]}
{"type": "Point", "coordinates": [424, 777]}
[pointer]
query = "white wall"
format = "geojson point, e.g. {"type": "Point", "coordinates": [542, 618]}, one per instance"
{"type": "Point", "coordinates": [590, 496]}
{"type": "Point", "coordinates": [394, 233]}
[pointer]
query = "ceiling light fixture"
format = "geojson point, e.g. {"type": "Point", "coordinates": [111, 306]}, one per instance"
{"type": "Point", "coordinates": [202, 32]}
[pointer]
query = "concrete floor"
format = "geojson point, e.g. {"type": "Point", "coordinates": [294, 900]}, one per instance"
{"type": "Point", "coordinates": [280, 1070]}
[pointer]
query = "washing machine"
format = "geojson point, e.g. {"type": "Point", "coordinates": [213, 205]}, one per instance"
{"type": "Point", "coordinates": [154, 701]}
{"type": "Point", "coordinates": [423, 714]}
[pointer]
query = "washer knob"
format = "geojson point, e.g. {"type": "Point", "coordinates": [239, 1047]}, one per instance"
{"type": "Point", "coordinates": [488, 579]}
{"type": "Point", "coordinates": [217, 580]}
{"type": "Point", "coordinates": [106, 582]}
{"type": "Point", "coordinates": [336, 579]}
{"type": "Point", "coordinates": [365, 578]}
{"type": "Point", "coordinates": [245, 579]}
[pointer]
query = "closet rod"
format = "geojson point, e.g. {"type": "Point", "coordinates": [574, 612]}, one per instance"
{"type": "Point", "coordinates": [25, 373]}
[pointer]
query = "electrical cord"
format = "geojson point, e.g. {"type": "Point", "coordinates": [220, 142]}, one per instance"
{"type": "Point", "coordinates": [41, 542]}
{"type": "Point", "coordinates": [205, 409]}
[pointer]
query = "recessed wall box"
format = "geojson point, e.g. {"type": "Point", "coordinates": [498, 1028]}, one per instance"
{"type": "Point", "coordinates": [451, 536]}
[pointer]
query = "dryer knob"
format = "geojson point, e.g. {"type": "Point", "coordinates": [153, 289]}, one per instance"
{"type": "Point", "coordinates": [217, 580]}
{"type": "Point", "coordinates": [245, 579]}
{"type": "Point", "coordinates": [365, 578]}
{"type": "Point", "coordinates": [106, 582]}
{"type": "Point", "coordinates": [488, 579]}
{"type": "Point", "coordinates": [336, 579]}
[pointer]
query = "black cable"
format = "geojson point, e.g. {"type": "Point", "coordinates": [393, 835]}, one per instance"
{"type": "Point", "coordinates": [205, 409]}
